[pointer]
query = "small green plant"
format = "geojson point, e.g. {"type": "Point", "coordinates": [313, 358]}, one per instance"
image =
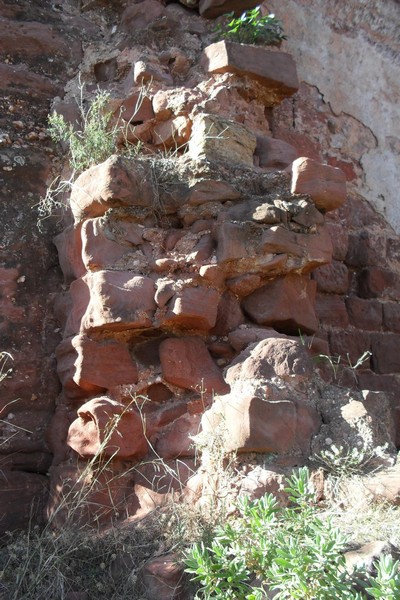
{"type": "Point", "coordinates": [252, 28]}
{"type": "Point", "coordinates": [345, 462]}
{"type": "Point", "coordinates": [289, 552]}
{"type": "Point", "coordinates": [95, 141]}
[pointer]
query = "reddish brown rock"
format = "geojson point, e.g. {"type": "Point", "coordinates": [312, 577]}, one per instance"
{"type": "Point", "coordinates": [385, 352]}
{"type": "Point", "coordinates": [209, 190]}
{"type": "Point", "coordinates": [33, 40]}
{"type": "Point", "coordinates": [111, 300]}
{"type": "Point", "coordinates": [244, 284]}
{"type": "Point", "coordinates": [163, 578]}
{"type": "Point", "coordinates": [272, 153]}
{"type": "Point", "coordinates": [365, 314]}
{"type": "Point", "coordinates": [313, 249]}
{"type": "Point", "coordinates": [187, 363]}
{"type": "Point", "coordinates": [175, 440]}
{"type": "Point", "coordinates": [98, 250]}
{"type": "Point", "coordinates": [138, 16]}
{"type": "Point", "coordinates": [325, 185]}
{"type": "Point", "coordinates": [242, 337]}
{"type": "Point", "coordinates": [391, 316]}
{"type": "Point", "coordinates": [366, 249]}
{"type": "Point", "coordinates": [332, 278]}
{"type": "Point", "coordinates": [211, 9]}
{"type": "Point", "coordinates": [18, 79]}
{"type": "Point", "coordinates": [193, 308]}
{"type": "Point", "coordinates": [108, 428]}
{"type": "Point", "coordinates": [252, 424]}
{"type": "Point", "coordinates": [331, 311]}
{"type": "Point", "coordinates": [374, 282]}
{"type": "Point", "coordinates": [115, 182]}
{"type": "Point", "coordinates": [340, 239]}
{"type": "Point", "coordinates": [174, 133]}
{"type": "Point", "coordinates": [349, 345]}
{"type": "Point", "coordinates": [22, 499]}
{"type": "Point", "coordinates": [69, 248]}
{"type": "Point", "coordinates": [274, 70]}
{"type": "Point", "coordinates": [277, 305]}
{"type": "Point", "coordinates": [95, 366]}
{"type": "Point", "coordinates": [136, 108]}
{"type": "Point", "coordinates": [272, 357]}
{"type": "Point", "coordinates": [229, 315]}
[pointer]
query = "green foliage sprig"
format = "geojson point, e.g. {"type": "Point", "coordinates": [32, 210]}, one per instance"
{"type": "Point", "coordinates": [288, 551]}
{"type": "Point", "coordinates": [252, 28]}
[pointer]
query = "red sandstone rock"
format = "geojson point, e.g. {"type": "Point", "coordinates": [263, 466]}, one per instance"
{"type": "Point", "coordinates": [385, 352]}
{"type": "Point", "coordinates": [136, 108]}
{"type": "Point", "coordinates": [325, 185]}
{"type": "Point", "coordinates": [272, 357]}
{"type": "Point", "coordinates": [286, 303]}
{"type": "Point", "coordinates": [272, 153]}
{"type": "Point", "coordinates": [187, 363]}
{"type": "Point", "coordinates": [331, 311]}
{"type": "Point", "coordinates": [18, 79]}
{"type": "Point", "coordinates": [109, 428]}
{"type": "Point", "coordinates": [193, 308]}
{"type": "Point", "coordinates": [242, 337]}
{"type": "Point", "coordinates": [95, 366]}
{"type": "Point", "coordinates": [163, 578]}
{"type": "Point", "coordinates": [256, 425]}
{"type": "Point", "coordinates": [138, 16]}
{"type": "Point", "coordinates": [175, 440]}
{"type": "Point", "coordinates": [111, 300]}
{"type": "Point", "coordinates": [229, 315]}
{"type": "Point", "coordinates": [332, 279]}
{"type": "Point", "coordinates": [244, 284]}
{"type": "Point", "coordinates": [173, 133]}
{"type": "Point", "coordinates": [391, 316]}
{"type": "Point", "coordinates": [33, 40]}
{"type": "Point", "coordinates": [367, 314]}
{"type": "Point", "coordinates": [274, 70]}
{"type": "Point", "coordinates": [98, 250]}
{"type": "Point", "coordinates": [313, 249]}
{"type": "Point", "coordinates": [208, 190]}
{"type": "Point", "coordinates": [69, 248]}
{"type": "Point", "coordinates": [22, 499]}
{"type": "Point", "coordinates": [115, 182]}
{"type": "Point", "coordinates": [374, 282]}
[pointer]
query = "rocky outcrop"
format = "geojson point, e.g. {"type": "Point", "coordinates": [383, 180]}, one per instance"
{"type": "Point", "coordinates": [200, 271]}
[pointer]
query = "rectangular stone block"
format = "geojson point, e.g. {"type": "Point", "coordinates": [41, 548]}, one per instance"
{"type": "Point", "coordinates": [385, 352]}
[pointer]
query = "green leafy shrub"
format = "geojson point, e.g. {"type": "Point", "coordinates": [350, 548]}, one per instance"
{"type": "Point", "coordinates": [290, 551]}
{"type": "Point", "coordinates": [252, 28]}
{"type": "Point", "coordinates": [95, 141]}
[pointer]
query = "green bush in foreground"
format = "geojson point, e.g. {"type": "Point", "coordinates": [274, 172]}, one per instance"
{"type": "Point", "coordinates": [289, 551]}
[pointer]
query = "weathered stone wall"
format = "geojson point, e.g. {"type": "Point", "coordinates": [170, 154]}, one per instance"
{"type": "Point", "coordinates": [175, 270]}
{"type": "Point", "coordinates": [349, 52]}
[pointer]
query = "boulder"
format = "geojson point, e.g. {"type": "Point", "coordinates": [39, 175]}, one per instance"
{"type": "Point", "coordinates": [276, 304]}
{"type": "Point", "coordinates": [272, 153]}
{"type": "Point", "coordinates": [274, 70]}
{"type": "Point", "coordinates": [187, 363]}
{"type": "Point", "coordinates": [214, 138]}
{"type": "Point", "coordinates": [325, 185]}
{"type": "Point", "coordinates": [111, 300]}
{"type": "Point", "coordinates": [115, 182]}
{"type": "Point", "coordinates": [108, 428]}
{"type": "Point", "coordinates": [192, 308]}
{"type": "Point", "coordinates": [95, 366]}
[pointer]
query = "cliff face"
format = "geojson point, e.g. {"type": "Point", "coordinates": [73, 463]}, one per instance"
{"type": "Point", "coordinates": [182, 263]}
